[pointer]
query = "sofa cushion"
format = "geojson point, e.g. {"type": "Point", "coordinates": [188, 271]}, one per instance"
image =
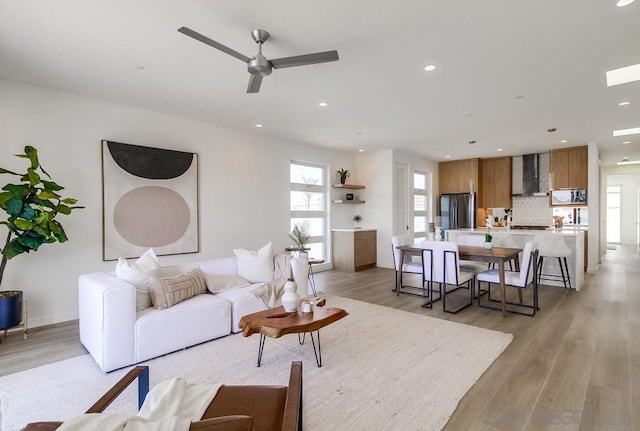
{"type": "Point", "coordinates": [137, 273]}
{"type": "Point", "coordinates": [255, 266]}
{"type": "Point", "coordinates": [168, 291]}
{"type": "Point", "coordinates": [221, 282]}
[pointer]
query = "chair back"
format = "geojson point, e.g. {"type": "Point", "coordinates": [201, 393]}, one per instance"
{"type": "Point", "coordinates": [395, 242]}
{"type": "Point", "coordinates": [502, 239]}
{"type": "Point", "coordinates": [552, 244]}
{"type": "Point", "coordinates": [529, 262]}
{"type": "Point", "coordinates": [445, 261]}
{"type": "Point", "coordinates": [470, 239]}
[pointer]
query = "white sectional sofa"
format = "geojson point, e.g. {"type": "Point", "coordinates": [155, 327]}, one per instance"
{"type": "Point", "coordinates": [117, 336]}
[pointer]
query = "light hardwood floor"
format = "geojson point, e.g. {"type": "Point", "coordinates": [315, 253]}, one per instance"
{"type": "Point", "coordinates": [574, 366]}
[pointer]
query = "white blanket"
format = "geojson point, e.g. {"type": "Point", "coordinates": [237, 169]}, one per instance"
{"type": "Point", "coordinates": [170, 406]}
{"type": "Point", "coordinates": [271, 292]}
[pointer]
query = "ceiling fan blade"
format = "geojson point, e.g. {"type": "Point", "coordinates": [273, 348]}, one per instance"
{"type": "Point", "coordinates": [217, 45]}
{"type": "Point", "coordinates": [254, 83]}
{"type": "Point", "coordinates": [301, 60]}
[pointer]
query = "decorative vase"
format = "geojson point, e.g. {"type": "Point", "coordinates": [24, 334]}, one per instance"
{"type": "Point", "coordinates": [290, 299]}
{"type": "Point", "coordinates": [488, 245]}
{"type": "Point", "coordinates": [10, 308]}
{"type": "Point", "coordinates": [343, 180]}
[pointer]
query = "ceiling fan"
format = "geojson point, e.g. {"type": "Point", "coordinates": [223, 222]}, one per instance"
{"type": "Point", "coordinates": [259, 66]}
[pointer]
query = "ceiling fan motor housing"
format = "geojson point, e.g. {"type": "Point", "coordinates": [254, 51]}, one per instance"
{"type": "Point", "coordinates": [259, 64]}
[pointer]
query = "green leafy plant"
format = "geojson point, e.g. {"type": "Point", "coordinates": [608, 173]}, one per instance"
{"type": "Point", "coordinates": [487, 237]}
{"type": "Point", "coordinates": [357, 218]}
{"type": "Point", "coordinates": [300, 234]}
{"type": "Point", "coordinates": [343, 174]}
{"type": "Point", "coordinates": [32, 206]}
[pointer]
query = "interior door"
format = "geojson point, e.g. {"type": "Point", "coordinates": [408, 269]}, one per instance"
{"type": "Point", "coordinates": [401, 200]}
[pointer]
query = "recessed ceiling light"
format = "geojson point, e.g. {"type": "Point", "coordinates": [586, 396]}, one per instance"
{"type": "Point", "coordinates": [466, 114]}
{"type": "Point", "coordinates": [626, 142]}
{"type": "Point", "coordinates": [447, 157]}
{"type": "Point", "coordinates": [430, 67]}
{"type": "Point", "coordinates": [564, 141]}
{"type": "Point", "coordinates": [623, 75]}
{"type": "Point", "coordinates": [499, 149]}
{"type": "Point", "coordinates": [623, 3]}
{"type": "Point", "coordinates": [625, 103]}
{"type": "Point", "coordinates": [322, 104]}
{"type": "Point", "coordinates": [472, 142]}
{"type": "Point", "coordinates": [625, 132]}
{"type": "Point", "coordinates": [361, 150]}
{"type": "Point", "coordinates": [258, 125]}
{"type": "Point", "coordinates": [138, 67]}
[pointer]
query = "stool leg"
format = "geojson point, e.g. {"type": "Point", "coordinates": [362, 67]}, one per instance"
{"type": "Point", "coordinates": [566, 266]}
{"type": "Point", "coordinates": [540, 261]}
{"type": "Point", "coordinates": [564, 280]}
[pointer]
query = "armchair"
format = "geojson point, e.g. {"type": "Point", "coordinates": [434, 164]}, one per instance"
{"type": "Point", "coordinates": [234, 408]}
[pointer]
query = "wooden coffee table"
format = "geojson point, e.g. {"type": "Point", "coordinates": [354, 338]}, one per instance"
{"type": "Point", "coordinates": [276, 322]}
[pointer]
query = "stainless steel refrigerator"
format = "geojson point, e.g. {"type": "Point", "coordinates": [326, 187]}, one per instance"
{"type": "Point", "coordinates": [458, 210]}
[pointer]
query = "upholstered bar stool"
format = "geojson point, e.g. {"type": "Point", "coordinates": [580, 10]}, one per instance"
{"type": "Point", "coordinates": [552, 245]}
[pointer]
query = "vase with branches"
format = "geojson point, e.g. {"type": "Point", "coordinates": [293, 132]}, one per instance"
{"type": "Point", "coordinates": [356, 220]}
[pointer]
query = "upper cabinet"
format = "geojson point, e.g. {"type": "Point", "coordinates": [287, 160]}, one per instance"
{"type": "Point", "coordinates": [569, 167]}
{"type": "Point", "coordinates": [496, 183]}
{"type": "Point", "coordinates": [459, 176]}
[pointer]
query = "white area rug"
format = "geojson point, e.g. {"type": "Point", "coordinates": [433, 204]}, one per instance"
{"type": "Point", "coordinates": [383, 369]}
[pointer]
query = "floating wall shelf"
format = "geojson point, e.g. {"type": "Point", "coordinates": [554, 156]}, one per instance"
{"type": "Point", "coordinates": [344, 201]}
{"type": "Point", "coordinates": [347, 186]}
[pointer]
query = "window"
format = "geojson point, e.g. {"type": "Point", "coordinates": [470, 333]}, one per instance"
{"type": "Point", "coordinates": [421, 205]}
{"type": "Point", "coordinates": [308, 204]}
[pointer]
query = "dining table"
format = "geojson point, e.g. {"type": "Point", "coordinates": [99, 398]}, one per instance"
{"type": "Point", "coordinates": [498, 255]}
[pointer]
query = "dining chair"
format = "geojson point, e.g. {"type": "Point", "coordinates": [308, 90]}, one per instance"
{"type": "Point", "coordinates": [503, 239]}
{"type": "Point", "coordinates": [406, 266]}
{"type": "Point", "coordinates": [446, 271]}
{"type": "Point", "coordinates": [553, 245]}
{"type": "Point", "coordinates": [527, 276]}
{"type": "Point", "coordinates": [476, 241]}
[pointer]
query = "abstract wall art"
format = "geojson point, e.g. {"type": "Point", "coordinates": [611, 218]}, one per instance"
{"type": "Point", "coordinates": [150, 199]}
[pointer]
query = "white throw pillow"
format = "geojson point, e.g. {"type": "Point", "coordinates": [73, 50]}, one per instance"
{"type": "Point", "coordinates": [255, 266]}
{"type": "Point", "coordinates": [137, 273]}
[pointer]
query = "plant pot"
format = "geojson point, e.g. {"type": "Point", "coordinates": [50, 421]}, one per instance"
{"type": "Point", "coordinates": [10, 308]}
{"type": "Point", "coordinates": [343, 180]}
{"type": "Point", "coordinates": [488, 245]}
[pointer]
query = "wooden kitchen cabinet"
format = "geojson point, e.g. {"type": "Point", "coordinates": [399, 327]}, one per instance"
{"type": "Point", "coordinates": [569, 167]}
{"type": "Point", "coordinates": [459, 176]}
{"type": "Point", "coordinates": [354, 250]}
{"type": "Point", "coordinates": [496, 183]}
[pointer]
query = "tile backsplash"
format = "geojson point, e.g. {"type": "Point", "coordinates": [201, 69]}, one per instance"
{"type": "Point", "coordinates": [532, 210]}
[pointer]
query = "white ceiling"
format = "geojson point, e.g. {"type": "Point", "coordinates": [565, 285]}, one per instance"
{"type": "Point", "coordinates": [488, 53]}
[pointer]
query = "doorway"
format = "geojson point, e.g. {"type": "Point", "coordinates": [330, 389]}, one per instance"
{"type": "Point", "coordinates": [623, 211]}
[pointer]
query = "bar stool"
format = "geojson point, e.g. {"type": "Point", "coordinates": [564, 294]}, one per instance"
{"type": "Point", "coordinates": [502, 239]}
{"type": "Point", "coordinates": [553, 245]}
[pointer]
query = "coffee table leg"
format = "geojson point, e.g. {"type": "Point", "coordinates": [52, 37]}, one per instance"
{"type": "Point", "coordinates": [318, 351]}
{"type": "Point", "coordinates": [260, 349]}
{"type": "Point", "coordinates": [301, 337]}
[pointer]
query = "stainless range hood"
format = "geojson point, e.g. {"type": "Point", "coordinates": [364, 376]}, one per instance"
{"type": "Point", "coordinates": [526, 176]}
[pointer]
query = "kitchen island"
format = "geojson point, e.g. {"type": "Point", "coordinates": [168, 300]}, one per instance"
{"type": "Point", "coordinates": [574, 238]}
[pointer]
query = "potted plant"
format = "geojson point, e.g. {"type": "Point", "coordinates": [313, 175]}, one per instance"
{"type": "Point", "coordinates": [300, 235]}
{"type": "Point", "coordinates": [31, 206]}
{"type": "Point", "coordinates": [487, 241]}
{"type": "Point", "coordinates": [356, 219]}
{"type": "Point", "coordinates": [343, 174]}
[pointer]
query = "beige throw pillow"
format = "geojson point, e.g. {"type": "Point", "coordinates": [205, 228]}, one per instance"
{"type": "Point", "coordinates": [220, 282]}
{"type": "Point", "coordinates": [168, 291]}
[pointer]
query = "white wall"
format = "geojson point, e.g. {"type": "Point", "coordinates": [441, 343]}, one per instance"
{"type": "Point", "coordinates": [376, 171]}
{"type": "Point", "coordinates": [243, 184]}
{"type": "Point", "coordinates": [595, 228]}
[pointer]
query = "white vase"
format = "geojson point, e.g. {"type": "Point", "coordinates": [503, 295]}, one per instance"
{"type": "Point", "coordinates": [290, 299]}
{"type": "Point", "coordinates": [488, 245]}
